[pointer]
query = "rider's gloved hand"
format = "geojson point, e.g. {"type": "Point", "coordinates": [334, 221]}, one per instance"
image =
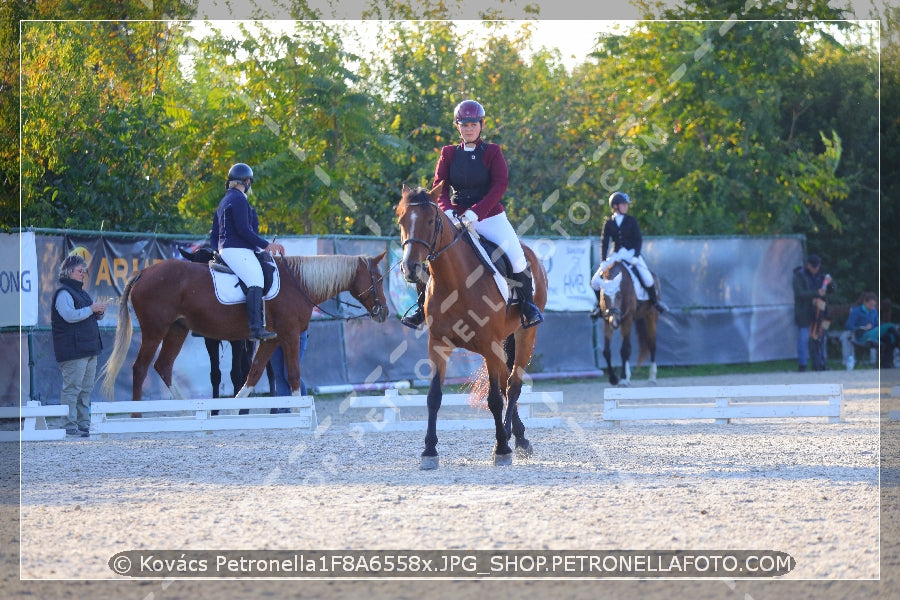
{"type": "Point", "coordinates": [469, 216]}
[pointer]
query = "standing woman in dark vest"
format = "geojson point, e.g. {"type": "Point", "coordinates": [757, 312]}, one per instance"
{"type": "Point", "coordinates": [475, 177]}
{"type": "Point", "coordinates": [76, 342]}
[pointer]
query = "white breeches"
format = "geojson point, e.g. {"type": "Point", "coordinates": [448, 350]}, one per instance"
{"type": "Point", "coordinates": [499, 230]}
{"type": "Point", "coordinates": [244, 264]}
{"type": "Point", "coordinates": [627, 257]}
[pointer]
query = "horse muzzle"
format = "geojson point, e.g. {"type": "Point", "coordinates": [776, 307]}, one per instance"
{"type": "Point", "coordinates": [379, 313]}
{"type": "Point", "coordinates": [414, 272]}
{"type": "Point", "coordinates": [613, 317]}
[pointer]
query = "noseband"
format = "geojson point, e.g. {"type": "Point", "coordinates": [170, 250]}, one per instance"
{"type": "Point", "coordinates": [433, 252]}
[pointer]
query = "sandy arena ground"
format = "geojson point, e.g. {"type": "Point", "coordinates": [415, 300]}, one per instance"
{"type": "Point", "coordinates": [801, 486]}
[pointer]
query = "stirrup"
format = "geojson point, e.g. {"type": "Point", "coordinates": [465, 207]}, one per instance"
{"type": "Point", "coordinates": [262, 335]}
{"type": "Point", "coordinates": [415, 320]}
{"type": "Point", "coordinates": [530, 320]}
{"type": "Point", "coordinates": [660, 306]}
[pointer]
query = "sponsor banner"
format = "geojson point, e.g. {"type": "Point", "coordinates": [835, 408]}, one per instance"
{"type": "Point", "coordinates": [19, 285]}
{"type": "Point", "coordinates": [568, 266]}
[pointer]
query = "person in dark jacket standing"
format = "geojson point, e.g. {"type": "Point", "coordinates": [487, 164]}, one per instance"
{"type": "Point", "coordinates": [76, 342]}
{"type": "Point", "coordinates": [234, 234]}
{"type": "Point", "coordinates": [810, 287]}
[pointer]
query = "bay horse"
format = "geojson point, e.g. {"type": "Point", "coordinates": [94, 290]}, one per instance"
{"type": "Point", "coordinates": [620, 309]}
{"type": "Point", "coordinates": [173, 297]}
{"type": "Point", "coordinates": [465, 309]}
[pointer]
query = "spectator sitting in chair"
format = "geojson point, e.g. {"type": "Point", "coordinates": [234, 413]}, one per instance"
{"type": "Point", "coordinates": [863, 321]}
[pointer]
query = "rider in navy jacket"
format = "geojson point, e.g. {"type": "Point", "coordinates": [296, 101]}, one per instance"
{"type": "Point", "coordinates": [234, 234]}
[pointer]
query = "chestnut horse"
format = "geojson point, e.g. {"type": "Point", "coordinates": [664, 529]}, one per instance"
{"type": "Point", "coordinates": [465, 309]}
{"type": "Point", "coordinates": [621, 309]}
{"type": "Point", "coordinates": [174, 297]}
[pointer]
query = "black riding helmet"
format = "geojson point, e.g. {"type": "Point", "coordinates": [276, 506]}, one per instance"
{"type": "Point", "coordinates": [240, 172]}
{"type": "Point", "coordinates": [618, 198]}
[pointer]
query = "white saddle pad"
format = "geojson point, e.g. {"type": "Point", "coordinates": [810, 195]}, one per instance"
{"type": "Point", "coordinates": [229, 291]}
{"type": "Point", "coordinates": [639, 289]}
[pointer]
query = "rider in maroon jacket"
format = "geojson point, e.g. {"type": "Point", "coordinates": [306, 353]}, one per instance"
{"type": "Point", "coordinates": [475, 177]}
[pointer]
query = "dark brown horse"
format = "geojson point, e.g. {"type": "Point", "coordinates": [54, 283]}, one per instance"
{"type": "Point", "coordinates": [464, 309]}
{"type": "Point", "coordinates": [621, 309]}
{"type": "Point", "coordinates": [174, 297]}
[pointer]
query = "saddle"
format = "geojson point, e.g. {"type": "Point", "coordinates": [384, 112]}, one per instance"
{"type": "Point", "coordinates": [494, 259]}
{"type": "Point", "coordinates": [227, 283]}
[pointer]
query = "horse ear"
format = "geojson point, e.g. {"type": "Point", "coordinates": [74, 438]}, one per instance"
{"type": "Point", "coordinates": [406, 189]}
{"type": "Point", "coordinates": [378, 258]}
{"type": "Point", "coordinates": [436, 191]}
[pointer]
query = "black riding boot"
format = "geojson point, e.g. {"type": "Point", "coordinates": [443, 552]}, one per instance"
{"type": "Point", "coordinates": [658, 304]}
{"type": "Point", "coordinates": [597, 312]}
{"type": "Point", "coordinates": [255, 316]}
{"type": "Point", "coordinates": [531, 314]}
{"type": "Point", "coordinates": [416, 319]}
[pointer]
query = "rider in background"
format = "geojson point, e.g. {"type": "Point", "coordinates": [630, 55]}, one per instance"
{"type": "Point", "coordinates": [475, 176]}
{"type": "Point", "coordinates": [234, 233]}
{"type": "Point", "coordinates": [623, 231]}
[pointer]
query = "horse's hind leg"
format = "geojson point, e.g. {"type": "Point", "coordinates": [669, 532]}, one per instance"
{"type": "Point", "coordinates": [171, 346]}
{"type": "Point", "coordinates": [497, 372]}
{"type": "Point", "coordinates": [521, 350]}
{"type": "Point", "coordinates": [141, 366]}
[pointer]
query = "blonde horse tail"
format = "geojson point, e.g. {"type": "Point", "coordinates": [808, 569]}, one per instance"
{"type": "Point", "coordinates": [122, 344]}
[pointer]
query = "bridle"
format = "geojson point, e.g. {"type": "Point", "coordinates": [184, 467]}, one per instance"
{"type": "Point", "coordinates": [433, 253]}
{"type": "Point", "coordinates": [377, 306]}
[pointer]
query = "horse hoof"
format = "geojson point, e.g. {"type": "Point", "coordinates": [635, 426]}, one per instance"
{"type": "Point", "coordinates": [429, 463]}
{"type": "Point", "coordinates": [624, 383]}
{"type": "Point", "coordinates": [136, 415]}
{"type": "Point", "coordinates": [503, 460]}
{"type": "Point", "coordinates": [524, 449]}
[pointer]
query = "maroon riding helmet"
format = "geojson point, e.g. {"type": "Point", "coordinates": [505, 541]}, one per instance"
{"type": "Point", "coordinates": [468, 111]}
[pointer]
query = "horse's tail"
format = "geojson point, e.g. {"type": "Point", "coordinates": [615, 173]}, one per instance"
{"type": "Point", "coordinates": [123, 342]}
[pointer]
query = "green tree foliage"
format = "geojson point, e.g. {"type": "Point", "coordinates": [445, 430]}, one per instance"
{"type": "Point", "coordinates": [90, 147]}
{"type": "Point", "coordinates": [750, 125]}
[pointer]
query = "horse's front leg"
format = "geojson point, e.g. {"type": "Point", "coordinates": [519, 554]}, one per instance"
{"type": "Point", "coordinates": [430, 459]}
{"type": "Point", "coordinates": [626, 359]}
{"type": "Point", "coordinates": [607, 355]}
{"type": "Point", "coordinates": [215, 373]}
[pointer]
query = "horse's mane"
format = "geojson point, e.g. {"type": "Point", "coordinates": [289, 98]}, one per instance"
{"type": "Point", "coordinates": [323, 275]}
